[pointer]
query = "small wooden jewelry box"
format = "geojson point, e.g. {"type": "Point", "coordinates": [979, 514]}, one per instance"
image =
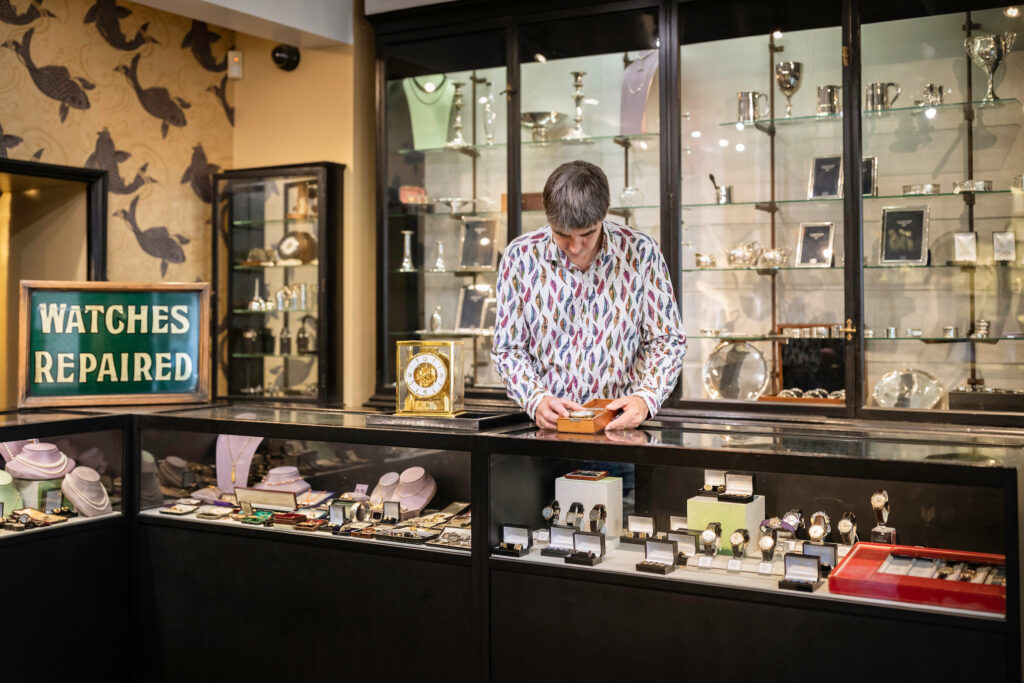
{"type": "Point", "coordinates": [592, 423]}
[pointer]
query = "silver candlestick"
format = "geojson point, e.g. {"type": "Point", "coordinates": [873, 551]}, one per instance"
{"type": "Point", "coordinates": [457, 140]}
{"type": "Point", "coordinates": [407, 265]}
{"type": "Point", "coordinates": [490, 114]}
{"type": "Point", "coordinates": [577, 97]}
{"type": "Point", "coordinates": [439, 265]}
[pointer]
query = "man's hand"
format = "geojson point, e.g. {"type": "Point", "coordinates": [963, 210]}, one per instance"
{"type": "Point", "coordinates": [550, 408]}
{"type": "Point", "coordinates": [634, 412]}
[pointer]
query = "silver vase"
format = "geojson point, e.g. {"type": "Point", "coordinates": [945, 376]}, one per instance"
{"type": "Point", "coordinates": [988, 51]}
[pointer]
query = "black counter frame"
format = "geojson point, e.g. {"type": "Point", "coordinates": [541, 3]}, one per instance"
{"type": "Point", "coordinates": [735, 18]}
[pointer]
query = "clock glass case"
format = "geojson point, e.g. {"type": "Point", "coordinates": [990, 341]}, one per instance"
{"type": "Point", "coordinates": [430, 378]}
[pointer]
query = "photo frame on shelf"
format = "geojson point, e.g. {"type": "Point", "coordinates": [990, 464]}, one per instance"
{"type": "Point", "coordinates": [299, 200]}
{"type": "Point", "coordinates": [472, 306]}
{"type": "Point", "coordinates": [478, 250]}
{"type": "Point", "coordinates": [1004, 246]}
{"type": "Point", "coordinates": [904, 238]}
{"type": "Point", "coordinates": [869, 177]}
{"type": "Point", "coordinates": [965, 247]}
{"type": "Point", "coordinates": [490, 313]}
{"type": "Point", "coordinates": [826, 180]}
{"type": "Point", "coordinates": [814, 245]}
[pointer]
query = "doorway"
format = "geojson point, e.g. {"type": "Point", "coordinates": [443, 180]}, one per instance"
{"type": "Point", "coordinates": [52, 227]}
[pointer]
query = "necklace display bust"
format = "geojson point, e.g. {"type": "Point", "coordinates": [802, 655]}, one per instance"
{"type": "Point", "coordinates": [83, 489]}
{"type": "Point", "coordinates": [40, 461]}
{"type": "Point", "coordinates": [284, 479]}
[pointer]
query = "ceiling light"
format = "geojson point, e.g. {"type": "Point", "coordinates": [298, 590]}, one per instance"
{"type": "Point", "coordinates": [539, 57]}
{"type": "Point", "coordinates": [723, 143]}
{"type": "Point", "coordinates": [1012, 12]}
{"type": "Point", "coordinates": [777, 34]}
{"type": "Point", "coordinates": [740, 147]}
{"type": "Point", "coordinates": [695, 134]}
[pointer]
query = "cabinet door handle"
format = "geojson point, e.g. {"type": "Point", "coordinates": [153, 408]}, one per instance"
{"type": "Point", "coordinates": [850, 330]}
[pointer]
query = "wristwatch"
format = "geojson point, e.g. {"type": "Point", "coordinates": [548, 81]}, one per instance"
{"type": "Point", "coordinates": [767, 544]}
{"type": "Point", "coordinates": [880, 504]}
{"type": "Point", "coordinates": [574, 515]}
{"type": "Point", "coordinates": [848, 528]}
{"type": "Point", "coordinates": [598, 516]}
{"type": "Point", "coordinates": [793, 520]}
{"type": "Point", "coordinates": [710, 537]}
{"type": "Point", "coordinates": [739, 540]}
{"type": "Point", "coordinates": [771, 523]}
{"type": "Point", "coordinates": [820, 528]}
{"type": "Point", "coordinates": [550, 513]}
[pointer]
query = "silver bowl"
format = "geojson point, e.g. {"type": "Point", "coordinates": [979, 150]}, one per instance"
{"type": "Point", "coordinates": [540, 123]}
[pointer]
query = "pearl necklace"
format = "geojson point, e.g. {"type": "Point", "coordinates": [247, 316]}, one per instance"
{"type": "Point", "coordinates": [96, 506]}
{"type": "Point", "coordinates": [281, 483]}
{"type": "Point", "coordinates": [416, 492]}
{"type": "Point", "coordinates": [234, 458]}
{"type": "Point", "coordinates": [7, 449]}
{"type": "Point", "coordinates": [45, 469]}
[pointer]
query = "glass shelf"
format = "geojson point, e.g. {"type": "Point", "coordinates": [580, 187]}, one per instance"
{"type": "Point", "coordinates": [444, 333]}
{"type": "Point", "coordinates": [759, 270]}
{"type": "Point", "coordinates": [611, 209]}
{"type": "Point", "coordinates": [271, 221]}
{"type": "Point", "coordinates": [246, 311]}
{"type": "Point", "coordinates": [914, 197]}
{"type": "Point", "coordinates": [939, 108]}
{"type": "Point", "coordinates": [238, 266]}
{"type": "Point", "coordinates": [274, 355]}
{"type": "Point", "coordinates": [446, 214]}
{"type": "Point", "coordinates": [943, 340]}
{"type": "Point", "coordinates": [961, 266]}
{"type": "Point", "coordinates": [617, 139]}
{"type": "Point", "coordinates": [467, 272]}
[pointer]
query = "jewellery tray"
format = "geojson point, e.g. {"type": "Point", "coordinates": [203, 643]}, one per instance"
{"type": "Point", "coordinates": [561, 543]}
{"type": "Point", "coordinates": [417, 540]}
{"type": "Point", "coordinates": [279, 501]}
{"type": "Point", "coordinates": [802, 572]}
{"type": "Point", "coordinates": [662, 552]}
{"type": "Point", "coordinates": [447, 530]}
{"type": "Point", "coordinates": [588, 425]}
{"type": "Point", "coordinates": [586, 542]}
{"type": "Point", "coordinates": [827, 554]}
{"type": "Point", "coordinates": [859, 574]}
{"type": "Point", "coordinates": [514, 534]}
{"type": "Point", "coordinates": [638, 524]}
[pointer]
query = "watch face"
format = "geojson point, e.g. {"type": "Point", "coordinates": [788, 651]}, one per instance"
{"type": "Point", "coordinates": [774, 523]}
{"type": "Point", "coordinates": [878, 500]}
{"type": "Point", "coordinates": [766, 543]}
{"type": "Point", "coordinates": [845, 526]}
{"type": "Point", "coordinates": [547, 512]}
{"type": "Point", "coordinates": [595, 515]}
{"type": "Point", "coordinates": [708, 536]}
{"type": "Point", "coordinates": [816, 532]}
{"type": "Point", "coordinates": [426, 374]}
{"type": "Point", "coordinates": [792, 518]}
{"type": "Point", "coordinates": [736, 538]}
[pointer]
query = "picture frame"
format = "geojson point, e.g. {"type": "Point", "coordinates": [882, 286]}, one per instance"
{"type": "Point", "coordinates": [1004, 246]}
{"type": "Point", "coordinates": [826, 179]}
{"type": "Point", "coordinates": [814, 245]}
{"type": "Point", "coordinates": [965, 247]}
{"type": "Point", "coordinates": [869, 177]}
{"type": "Point", "coordinates": [904, 236]}
{"type": "Point", "coordinates": [478, 248]}
{"type": "Point", "coordinates": [472, 303]}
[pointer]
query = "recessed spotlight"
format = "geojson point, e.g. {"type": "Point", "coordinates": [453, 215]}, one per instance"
{"type": "Point", "coordinates": [740, 126]}
{"type": "Point", "coordinates": [1012, 12]}
{"type": "Point", "coordinates": [723, 143]}
{"type": "Point", "coordinates": [642, 144]}
{"type": "Point", "coordinates": [539, 57]}
{"type": "Point", "coordinates": [777, 34]}
{"type": "Point", "coordinates": [740, 147]}
{"type": "Point", "coordinates": [695, 134]}
{"type": "Point", "coordinates": [930, 112]}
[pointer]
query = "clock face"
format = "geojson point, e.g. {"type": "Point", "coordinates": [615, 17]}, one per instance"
{"type": "Point", "coordinates": [766, 543]}
{"type": "Point", "coordinates": [708, 536]}
{"type": "Point", "coordinates": [426, 375]}
{"type": "Point", "coordinates": [816, 532]}
{"type": "Point", "coordinates": [736, 538]}
{"type": "Point", "coordinates": [878, 500]}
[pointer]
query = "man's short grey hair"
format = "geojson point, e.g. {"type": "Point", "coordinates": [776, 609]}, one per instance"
{"type": "Point", "coordinates": [576, 196]}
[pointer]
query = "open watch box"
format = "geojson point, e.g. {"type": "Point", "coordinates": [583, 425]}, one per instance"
{"type": "Point", "coordinates": [560, 543]}
{"type": "Point", "coordinates": [588, 548]}
{"type": "Point", "coordinates": [802, 572]}
{"type": "Point", "coordinates": [638, 530]}
{"type": "Point", "coordinates": [516, 541]}
{"type": "Point", "coordinates": [659, 557]}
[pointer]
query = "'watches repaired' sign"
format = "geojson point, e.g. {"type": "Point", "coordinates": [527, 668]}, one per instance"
{"type": "Point", "coordinates": [104, 342]}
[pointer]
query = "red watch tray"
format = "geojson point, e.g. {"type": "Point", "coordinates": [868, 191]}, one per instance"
{"type": "Point", "coordinates": [858, 574]}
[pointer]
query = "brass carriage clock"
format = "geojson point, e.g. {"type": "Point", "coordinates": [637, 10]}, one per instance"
{"type": "Point", "coordinates": [430, 378]}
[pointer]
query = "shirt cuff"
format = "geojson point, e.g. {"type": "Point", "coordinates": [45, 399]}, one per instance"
{"type": "Point", "coordinates": [534, 401]}
{"type": "Point", "coordinates": [652, 401]}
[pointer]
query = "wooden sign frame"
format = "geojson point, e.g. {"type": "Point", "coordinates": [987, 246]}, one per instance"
{"type": "Point", "coordinates": [203, 360]}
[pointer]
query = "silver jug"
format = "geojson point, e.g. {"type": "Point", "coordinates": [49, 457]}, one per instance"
{"type": "Point", "coordinates": [748, 110]}
{"type": "Point", "coordinates": [829, 100]}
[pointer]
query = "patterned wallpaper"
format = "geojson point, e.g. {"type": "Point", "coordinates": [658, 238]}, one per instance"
{"type": "Point", "coordinates": [138, 92]}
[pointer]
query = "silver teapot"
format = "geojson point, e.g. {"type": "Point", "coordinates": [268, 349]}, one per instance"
{"type": "Point", "coordinates": [744, 254]}
{"type": "Point", "coordinates": [773, 258]}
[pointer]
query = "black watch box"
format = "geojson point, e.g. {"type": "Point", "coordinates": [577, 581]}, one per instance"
{"type": "Point", "coordinates": [641, 528]}
{"type": "Point", "coordinates": [714, 483]}
{"type": "Point", "coordinates": [739, 488]}
{"type": "Point", "coordinates": [687, 545]}
{"type": "Point", "coordinates": [827, 553]}
{"type": "Point", "coordinates": [560, 543]}
{"type": "Point", "coordinates": [588, 548]}
{"type": "Point", "coordinates": [659, 557]}
{"type": "Point", "coordinates": [516, 541]}
{"type": "Point", "coordinates": [802, 572]}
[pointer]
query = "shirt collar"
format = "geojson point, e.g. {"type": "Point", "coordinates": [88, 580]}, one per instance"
{"type": "Point", "coordinates": [557, 256]}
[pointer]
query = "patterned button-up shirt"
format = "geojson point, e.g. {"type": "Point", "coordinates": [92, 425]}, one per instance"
{"type": "Point", "coordinates": [608, 331]}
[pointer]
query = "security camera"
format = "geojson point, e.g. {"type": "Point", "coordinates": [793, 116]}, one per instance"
{"type": "Point", "coordinates": [286, 57]}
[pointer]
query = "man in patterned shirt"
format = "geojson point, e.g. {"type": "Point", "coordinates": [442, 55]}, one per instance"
{"type": "Point", "coordinates": [585, 310]}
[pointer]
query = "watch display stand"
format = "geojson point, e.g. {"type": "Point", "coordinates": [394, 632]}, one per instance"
{"type": "Point", "coordinates": [827, 553]}
{"type": "Point", "coordinates": [561, 542]}
{"type": "Point", "coordinates": [687, 545]}
{"type": "Point", "coordinates": [883, 534]}
{"type": "Point", "coordinates": [739, 488]}
{"type": "Point", "coordinates": [802, 572]}
{"type": "Point", "coordinates": [714, 483]}
{"type": "Point", "coordinates": [702, 510]}
{"type": "Point", "coordinates": [607, 492]}
{"type": "Point", "coordinates": [638, 530]}
{"type": "Point", "coordinates": [588, 548]}
{"type": "Point", "coordinates": [659, 557]}
{"type": "Point", "coordinates": [516, 541]}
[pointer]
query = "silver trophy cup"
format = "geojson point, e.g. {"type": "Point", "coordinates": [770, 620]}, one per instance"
{"type": "Point", "coordinates": [988, 51]}
{"type": "Point", "coordinates": [787, 77]}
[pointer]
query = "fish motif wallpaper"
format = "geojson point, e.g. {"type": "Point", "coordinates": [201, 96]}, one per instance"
{"type": "Point", "coordinates": [138, 92]}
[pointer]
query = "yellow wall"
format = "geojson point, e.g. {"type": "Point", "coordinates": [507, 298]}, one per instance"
{"type": "Point", "coordinates": [323, 111]}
